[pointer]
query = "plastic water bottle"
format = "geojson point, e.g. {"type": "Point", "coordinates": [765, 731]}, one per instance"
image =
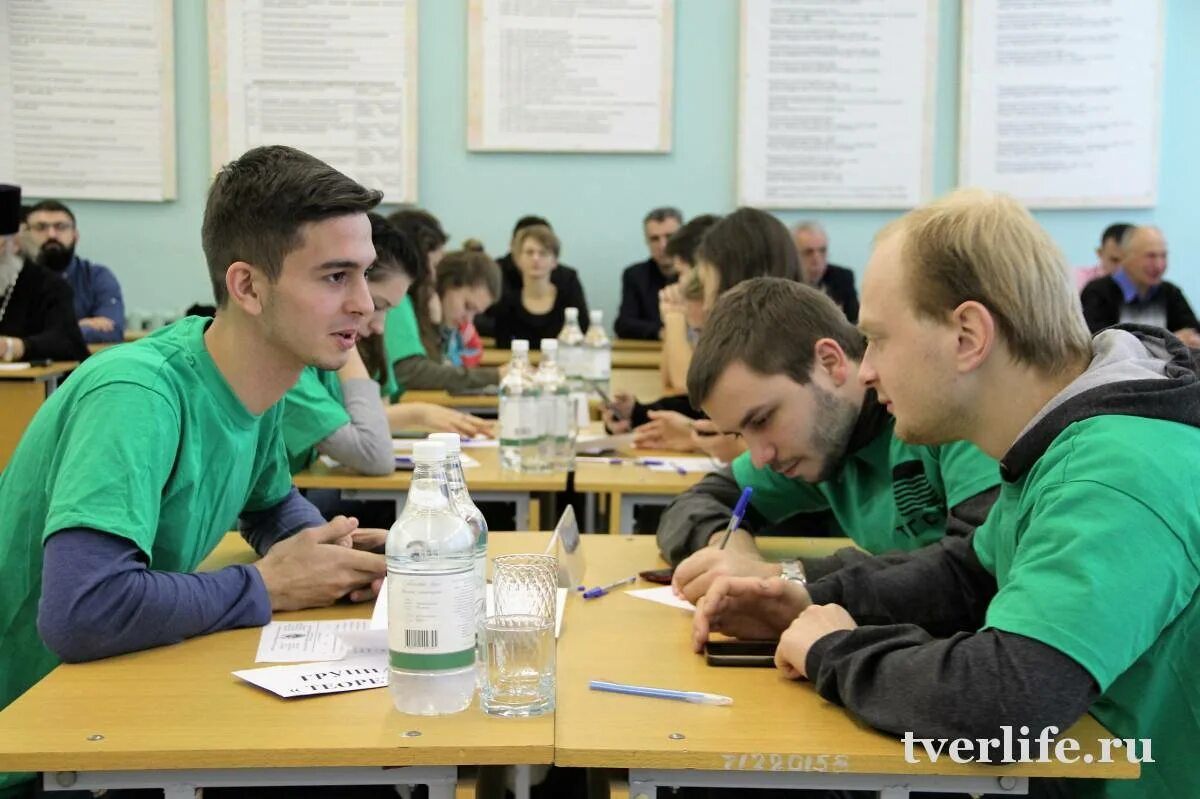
{"type": "Point", "coordinates": [462, 504]}
{"type": "Point", "coordinates": [571, 360]}
{"type": "Point", "coordinates": [432, 589]}
{"type": "Point", "coordinates": [558, 446]}
{"type": "Point", "coordinates": [520, 425]}
{"type": "Point", "coordinates": [598, 352]}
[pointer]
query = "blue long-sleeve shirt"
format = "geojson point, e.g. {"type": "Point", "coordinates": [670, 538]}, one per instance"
{"type": "Point", "coordinates": [99, 598]}
{"type": "Point", "coordinates": [97, 293]}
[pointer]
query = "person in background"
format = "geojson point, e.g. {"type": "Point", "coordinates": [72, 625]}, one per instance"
{"type": "Point", "coordinates": [53, 235]}
{"type": "Point", "coordinates": [565, 278]}
{"type": "Point", "coordinates": [641, 282]}
{"type": "Point", "coordinates": [535, 311]}
{"type": "Point", "coordinates": [37, 314]}
{"type": "Point", "coordinates": [680, 304]}
{"type": "Point", "coordinates": [1108, 255]}
{"type": "Point", "coordinates": [812, 243]}
{"type": "Point", "coordinates": [413, 325]}
{"type": "Point", "coordinates": [467, 282]}
{"type": "Point", "coordinates": [1137, 293]}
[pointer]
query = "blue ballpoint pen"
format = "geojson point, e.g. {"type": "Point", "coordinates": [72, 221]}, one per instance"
{"type": "Point", "coordinates": [739, 512]}
{"type": "Point", "coordinates": [696, 697]}
{"type": "Point", "coordinates": [592, 593]}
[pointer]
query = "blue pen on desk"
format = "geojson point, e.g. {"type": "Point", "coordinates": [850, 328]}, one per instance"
{"type": "Point", "coordinates": [656, 462]}
{"type": "Point", "coordinates": [739, 512]}
{"type": "Point", "coordinates": [592, 593]}
{"type": "Point", "coordinates": [696, 697]}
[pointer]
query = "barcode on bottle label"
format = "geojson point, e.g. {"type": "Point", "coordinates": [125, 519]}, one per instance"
{"type": "Point", "coordinates": [421, 639]}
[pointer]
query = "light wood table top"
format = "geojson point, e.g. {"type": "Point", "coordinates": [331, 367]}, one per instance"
{"type": "Point", "coordinates": [487, 476]}
{"type": "Point", "coordinates": [622, 639]}
{"type": "Point", "coordinates": [645, 384]}
{"type": "Point", "coordinates": [621, 359]}
{"type": "Point", "coordinates": [179, 707]}
{"type": "Point", "coordinates": [629, 477]}
{"type": "Point", "coordinates": [39, 373]}
{"type": "Point", "coordinates": [449, 400]}
{"type": "Point", "coordinates": [618, 344]}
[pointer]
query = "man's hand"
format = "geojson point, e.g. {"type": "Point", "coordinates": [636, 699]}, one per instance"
{"type": "Point", "coordinates": [318, 566]}
{"type": "Point", "coordinates": [719, 446]}
{"type": "Point", "coordinates": [1189, 337]}
{"type": "Point", "coordinates": [369, 539]}
{"type": "Point", "coordinates": [747, 607]}
{"type": "Point", "coordinates": [665, 430]}
{"type": "Point", "coordinates": [448, 420]}
{"type": "Point", "coordinates": [102, 323]}
{"type": "Point", "coordinates": [693, 576]}
{"type": "Point", "coordinates": [814, 623]}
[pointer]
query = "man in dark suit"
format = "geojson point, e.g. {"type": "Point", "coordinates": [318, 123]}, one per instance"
{"type": "Point", "coordinates": [640, 283]}
{"type": "Point", "coordinates": [836, 281]}
{"type": "Point", "coordinates": [564, 278]}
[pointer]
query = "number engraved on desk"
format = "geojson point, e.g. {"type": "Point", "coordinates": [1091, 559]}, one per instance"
{"type": "Point", "coordinates": [421, 639]}
{"type": "Point", "coordinates": [757, 761]}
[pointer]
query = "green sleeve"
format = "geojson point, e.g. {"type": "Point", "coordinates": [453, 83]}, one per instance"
{"type": "Point", "coordinates": [272, 479]}
{"type": "Point", "coordinates": [109, 474]}
{"type": "Point", "coordinates": [312, 411]}
{"type": "Point", "coordinates": [965, 471]}
{"type": "Point", "coordinates": [401, 339]}
{"type": "Point", "coordinates": [776, 497]}
{"type": "Point", "coordinates": [1097, 574]}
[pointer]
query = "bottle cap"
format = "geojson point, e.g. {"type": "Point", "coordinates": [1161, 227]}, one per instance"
{"type": "Point", "coordinates": [429, 451]}
{"type": "Point", "coordinates": [451, 441]}
{"type": "Point", "coordinates": [520, 345]}
{"type": "Point", "coordinates": [549, 345]}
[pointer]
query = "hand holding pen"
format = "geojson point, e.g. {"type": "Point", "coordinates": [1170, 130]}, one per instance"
{"type": "Point", "coordinates": [739, 513]}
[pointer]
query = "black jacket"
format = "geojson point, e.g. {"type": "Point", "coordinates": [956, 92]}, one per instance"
{"type": "Point", "coordinates": [41, 312]}
{"type": "Point", "coordinates": [1102, 301]}
{"type": "Point", "coordinates": [838, 283]}
{"type": "Point", "coordinates": [564, 278]}
{"type": "Point", "coordinates": [640, 284]}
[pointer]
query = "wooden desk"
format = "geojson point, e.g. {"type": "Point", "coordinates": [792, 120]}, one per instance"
{"type": "Point", "coordinates": [179, 716]}
{"type": "Point", "coordinates": [621, 359]}
{"type": "Point", "coordinates": [489, 343]}
{"type": "Point", "coordinates": [22, 392]}
{"type": "Point", "coordinates": [778, 733]}
{"type": "Point", "coordinates": [644, 384]}
{"type": "Point", "coordinates": [629, 485]}
{"type": "Point", "coordinates": [486, 482]}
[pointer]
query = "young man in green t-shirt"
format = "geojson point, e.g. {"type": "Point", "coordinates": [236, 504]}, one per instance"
{"type": "Point", "coordinates": [1079, 594]}
{"type": "Point", "coordinates": [133, 470]}
{"type": "Point", "coordinates": [816, 440]}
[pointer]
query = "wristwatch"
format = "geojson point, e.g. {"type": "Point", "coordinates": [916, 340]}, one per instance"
{"type": "Point", "coordinates": [793, 571]}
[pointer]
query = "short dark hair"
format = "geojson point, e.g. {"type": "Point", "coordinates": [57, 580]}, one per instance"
{"type": "Point", "coordinates": [258, 204]}
{"type": "Point", "coordinates": [772, 325]}
{"type": "Point", "coordinates": [421, 227]}
{"type": "Point", "coordinates": [393, 251]}
{"type": "Point", "coordinates": [530, 221]}
{"type": "Point", "coordinates": [51, 205]}
{"type": "Point", "coordinates": [1115, 232]}
{"type": "Point", "coordinates": [662, 215]}
{"type": "Point", "coordinates": [749, 243]}
{"type": "Point", "coordinates": [25, 211]}
{"type": "Point", "coordinates": [683, 242]}
{"type": "Point", "coordinates": [469, 266]}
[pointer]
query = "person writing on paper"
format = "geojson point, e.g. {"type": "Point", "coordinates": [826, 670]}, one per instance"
{"type": "Point", "coordinates": [134, 470]}
{"type": "Point", "coordinates": [340, 414]}
{"type": "Point", "coordinates": [53, 236]}
{"type": "Point", "coordinates": [37, 316]}
{"type": "Point", "coordinates": [1081, 592]}
{"type": "Point", "coordinates": [817, 440]}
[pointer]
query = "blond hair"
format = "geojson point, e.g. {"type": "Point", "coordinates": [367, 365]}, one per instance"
{"type": "Point", "coordinates": [983, 246]}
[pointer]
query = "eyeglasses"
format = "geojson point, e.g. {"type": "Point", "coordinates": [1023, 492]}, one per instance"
{"type": "Point", "coordinates": [57, 227]}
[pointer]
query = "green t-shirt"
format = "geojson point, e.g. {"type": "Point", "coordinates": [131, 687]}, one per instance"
{"type": "Point", "coordinates": [888, 495]}
{"type": "Point", "coordinates": [312, 410]}
{"type": "Point", "coordinates": [145, 441]}
{"type": "Point", "coordinates": [401, 339]}
{"type": "Point", "coordinates": [1096, 552]}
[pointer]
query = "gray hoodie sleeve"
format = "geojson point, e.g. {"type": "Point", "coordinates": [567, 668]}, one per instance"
{"type": "Point", "coordinates": [364, 444]}
{"type": "Point", "coordinates": [419, 373]}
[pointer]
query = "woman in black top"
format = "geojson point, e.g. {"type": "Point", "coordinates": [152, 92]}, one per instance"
{"type": "Point", "coordinates": [536, 311]}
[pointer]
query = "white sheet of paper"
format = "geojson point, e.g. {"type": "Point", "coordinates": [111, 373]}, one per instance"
{"type": "Point", "coordinates": [14, 367]}
{"type": "Point", "coordinates": [691, 465]}
{"type": "Point", "coordinates": [402, 446]}
{"type": "Point", "coordinates": [302, 641]}
{"type": "Point", "coordinates": [379, 615]}
{"type": "Point", "coordinates": [662, 595]}
{"type": "Point", "coordinates": [309, 679]}
{"type": "Point", "coordinates": [592, 442]}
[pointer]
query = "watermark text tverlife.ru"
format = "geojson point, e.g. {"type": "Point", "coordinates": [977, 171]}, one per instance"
{"type": "Point", "coordinates": [1018, 747]}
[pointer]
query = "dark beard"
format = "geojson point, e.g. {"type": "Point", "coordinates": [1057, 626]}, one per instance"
{"type": "Point", "coordinates": [56, 256]}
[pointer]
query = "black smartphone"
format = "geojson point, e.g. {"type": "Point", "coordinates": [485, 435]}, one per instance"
{"type": "Point", "coordinates": [660, 576]}
{"type": "Point", "coordinates": [760, 654]}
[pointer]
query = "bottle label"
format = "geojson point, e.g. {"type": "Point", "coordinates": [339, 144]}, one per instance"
{"type": "Point", "coordinates": [431, 620]}
{"type": "Point", "coordinates": [556, 414]}
{"type": "Point", "coordinates": [519, 420]}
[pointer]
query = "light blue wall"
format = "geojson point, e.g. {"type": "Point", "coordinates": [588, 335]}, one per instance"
{"type": "Point", "coordinates": [596, 201]}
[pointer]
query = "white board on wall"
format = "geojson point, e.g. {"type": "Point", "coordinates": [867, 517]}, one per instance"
{"type": "Point", "coordinates": [570, 76]}
{"type": "Point", "coordinates": [836, 103]}
{"type": "Point", "coordinates": [87, 92]}
{"type": "Point", "coordinates": [1061, 101]}
{"type": "Point", "coordinates": [334, 78]}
